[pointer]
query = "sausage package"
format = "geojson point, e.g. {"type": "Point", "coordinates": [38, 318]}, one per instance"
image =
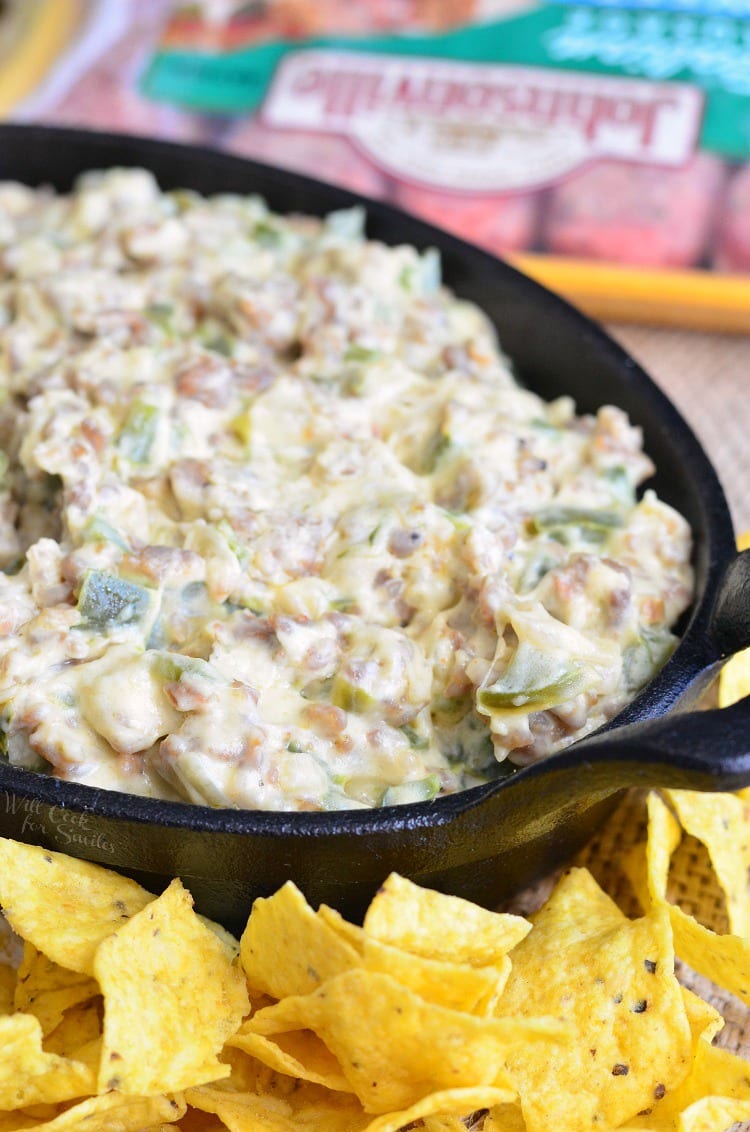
{"type": "Point", "coordinates": [603, 145]}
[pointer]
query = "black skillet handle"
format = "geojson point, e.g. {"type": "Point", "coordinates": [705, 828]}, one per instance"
{"type": "Point", "coordinates": [730, 618]}
{"type": "Point", "coordinates": [698, 750]}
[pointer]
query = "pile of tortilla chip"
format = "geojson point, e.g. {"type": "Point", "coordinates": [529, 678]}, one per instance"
{"type": "Point", "coordinates": [126, 1011]}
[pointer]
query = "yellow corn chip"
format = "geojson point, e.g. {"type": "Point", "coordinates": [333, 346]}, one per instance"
{"type": "Point", "coordinates": [713, 1114]}
{"type": "Point", "coordinates": [115, 1113]}
{"type": "Point", "coordinates": [705, 1022]}
{"type": "Point", "coordinates": [47, 990]}
{"type": "Point", "coordinates": [252, 1113]}
{"type": "Point", "coordinates": [725, 959]}
{"type": "Point", "coordinates": [395, 1049]}
{"type": "Point", "coordinates": [40, 1112]}
{"type": "Point", "coordinates": [718, 1081]}
{"type": "Point", "coordinates": [457, 1102]}
{"type": "Point", "coordinates": [456, 985]}
{"type": "Point", "coordinates": [287, 948]}
{"type": "Point", "coordinates": [17, 1122]}
{"type": "Point", "coordinates": [350, 933]}
{"type": "Point", "coordinates": [28, 1074]}
{"type": "Point", "coordinates": [664, 835]}
{"type": "Point", "coordinates": [299, 1053]}
{"type": "Point", "coordinates": [613, 982]}
{"type": "Point", "coordinates": [261, 1112]}
{"type": "Point", "coordinates": [64, 906]}
{"type": "Point", "coordinates": [734, 681]}
{"type": "Point", "coordinates": [168, 970]}
{"type": "Point", "coordinates": [79, 1031]}
{"type": "Point", "coordinates": [505, 1118]}
{"type": "Point", "coordinates": [647, 863]}
{"type": "Point", "coordinates": [719, 822]}
{"type": "Point", "coordinates": [441, 927]}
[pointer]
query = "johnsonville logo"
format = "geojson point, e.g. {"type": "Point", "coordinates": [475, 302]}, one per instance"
{"type": "Point", "coordinates": [479, 126]}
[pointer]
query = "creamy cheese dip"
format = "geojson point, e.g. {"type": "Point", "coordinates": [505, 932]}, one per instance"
{"type": "Point", "coordinates": [280, 530]}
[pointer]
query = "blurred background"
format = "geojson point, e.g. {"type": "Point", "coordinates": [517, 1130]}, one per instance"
{"type": "Point", "coordinates": [603, 145]}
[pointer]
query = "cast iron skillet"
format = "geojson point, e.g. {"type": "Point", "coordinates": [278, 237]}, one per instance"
{"type": "Point", "coordinates": [488, 841]}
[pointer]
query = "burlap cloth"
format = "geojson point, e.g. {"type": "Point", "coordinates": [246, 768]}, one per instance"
{"type": "Point", "coordinates": [708, 378]}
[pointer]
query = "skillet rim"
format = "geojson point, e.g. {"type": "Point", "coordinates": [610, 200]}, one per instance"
{"type": "Point", "coordinates": [694, 652]}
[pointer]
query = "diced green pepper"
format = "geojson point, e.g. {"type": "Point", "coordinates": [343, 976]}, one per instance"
{"type": "Point", "coordinates": [221, 344]}
{"type": "Point", "coordinates": [622, 487]}
{"type": "Point", "coordinates": [343, 604]}
{"type": "Point", "coordinates": [437, 446]}
{"type": "Point", "coordinates": [172, 665]}
{"type": "Point", "coordinates": [448, 711]}
{"type": "Point", "coordinates": [267, 235]}
{"type": "Point", "coordinates": [161, 315]}
{"type": "Point", "coordinates": [406, 277]}
{"type": "Point", "coordinates": [346, 223]}
{"type": "Point", "coordinates": [533, 680]}
{"type": "Point", "coordinates": [357, 353]}
{"type": "Point", "coordinates": [107, 600]}
{"type": "Point", "coordinates": [420, 791]}
{"type": "Point", "coordinates": [416, 741]}
{"type": "Point", "coordinates": [593, 525]}
{"type": "Point", "coordinates": [139, 432]}
{"type": "Point", "coordinates": [99, 530]}
{"type": "Point", "coordinates": [535, 569]}
{"type": "Point", "coordinates": [576, 516]}
{"type": "Point", "coordinates": [641, 660]}
{"type": "Point", "coordinates": [350, 697]}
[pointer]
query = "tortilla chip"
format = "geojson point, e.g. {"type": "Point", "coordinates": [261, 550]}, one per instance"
{"type": "Point", "coordinates": [504, 1118]}
{"type": "Point", "coordinates": [612, 981]}
{"type": "Point", "coordinates": [647, 864]}
{"type": "Point", "coordinates": [115, 1112]}
{"type": "Point", "coordinates": [437, 926]}
{"type": "Point", "coordinates": [725, 959]}
{"type": "Point", "coordinates": [456, 985]}
{"type": "Point", "coordinates": [47, 990]}
{"type": "Point", "coordinates": [717, 1085]}
{"type": "Point", "coordinates": [719, 822]}
{"type": "Point", "coordinates": [704, 1021]}
{"type": "Point", "coordinates": [28, 1074]}
{"type": "Point", "coordinates": [395, 1049]}
{"type": "Point", "coordinates": [456, 1102]}
{"type": "Point", "coordinates": [261, 1112]}
{"type": "Point", "coordinates": [287, 948]}
{"type": "Point", "coordinates": [299, 1054]}
{"type": "Point", "coordinates": [17, 1122]}
{"type": "Point", "coordinates": [64, 906]}
{"type": "Point", "coordinates": [164, 968]}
